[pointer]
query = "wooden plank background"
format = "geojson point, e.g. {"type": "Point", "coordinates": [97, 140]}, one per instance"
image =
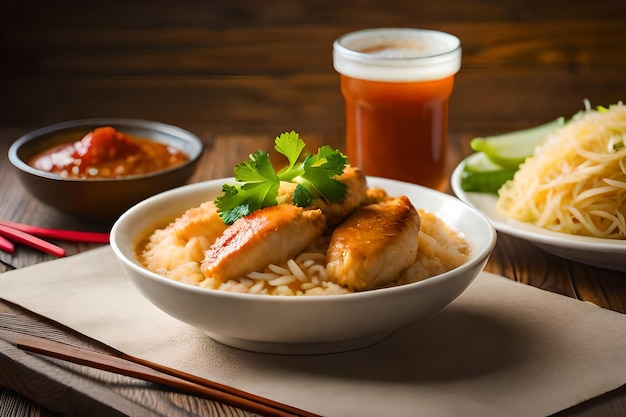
{"type": "Point", "coordinates": [266, 67]}
{"type": "Point", "coordinates": [232, 71]}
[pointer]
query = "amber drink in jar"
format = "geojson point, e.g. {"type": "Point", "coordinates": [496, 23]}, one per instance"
{"type": "Point", "coordinates": [396, 85]}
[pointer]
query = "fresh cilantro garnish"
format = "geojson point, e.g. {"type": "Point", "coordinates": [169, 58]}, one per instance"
{"type": "Point", "coordinates": [259, 181]}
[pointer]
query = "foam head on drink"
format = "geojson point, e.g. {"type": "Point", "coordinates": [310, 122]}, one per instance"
{"type": "Point", "coordinates": [396, 84]}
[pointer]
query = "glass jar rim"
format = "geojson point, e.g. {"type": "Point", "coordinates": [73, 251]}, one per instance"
{"type": "Point", "coordinates": [397, 54]}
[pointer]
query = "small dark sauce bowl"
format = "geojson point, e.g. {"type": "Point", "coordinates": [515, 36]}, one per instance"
{"type": "Point", "coordinates": [101, 200]}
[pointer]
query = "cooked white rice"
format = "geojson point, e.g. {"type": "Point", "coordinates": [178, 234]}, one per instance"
{"type": "Point", "coordinates": [440, 249]}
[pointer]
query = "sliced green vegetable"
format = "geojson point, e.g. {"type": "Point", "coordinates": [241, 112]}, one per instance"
{"type": "Point", "coordinates": [509, 150]}
{"type": "Point", "coordinates": [480, 162]}
{"type": "Point", "coordinates": [480, 174]}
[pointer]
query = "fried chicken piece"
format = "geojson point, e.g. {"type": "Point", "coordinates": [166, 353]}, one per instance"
{"type": "Point", "coordinates": [374, 244]}
{"type": "Point", "coordinates": [356, 184]}
{"type": "Point", "coordinates": [203, 220]}
{"type": "Point", "coordinates": [374, 195]}
{"type": "Point", "coordinates": [270, 235]}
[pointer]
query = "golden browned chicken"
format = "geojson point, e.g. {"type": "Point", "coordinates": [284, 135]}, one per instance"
{"type": "Point", "coordinates": [270, 235]}
{"type": "Point", "coordinates": [203, 220]}
{"type": "Point", "coordinates": [374, 244]}
{"type": "Point", "coordinates": [356, 184]}
{"type": "Point", "coordinates": [374, 195]}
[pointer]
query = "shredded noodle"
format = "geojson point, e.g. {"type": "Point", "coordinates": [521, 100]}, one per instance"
{"type": "Point", "coordinates": [576, 181]}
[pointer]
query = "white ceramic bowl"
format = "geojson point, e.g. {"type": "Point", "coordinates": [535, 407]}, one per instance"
{"type": "Point", "coordinates": [302, 324]}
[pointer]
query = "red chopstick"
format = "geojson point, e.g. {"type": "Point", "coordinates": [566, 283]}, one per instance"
{"type": "Point", "coordinates": [6, 245]}
{"type": "Point", "coordinates": [68, 235]}
{"type": "Point", "coordinates": [32, 241]}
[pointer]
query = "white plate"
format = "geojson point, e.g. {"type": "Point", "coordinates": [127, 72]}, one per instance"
{"type": "Point", "coordinates": [604, 253]}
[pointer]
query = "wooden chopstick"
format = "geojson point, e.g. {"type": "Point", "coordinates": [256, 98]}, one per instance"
{"type": "Point", "coordinates": [135, 367]}
{"type": "Point", "coordinates": [68, 235]}
{"type": "Point", "coordinates": [33, 241]}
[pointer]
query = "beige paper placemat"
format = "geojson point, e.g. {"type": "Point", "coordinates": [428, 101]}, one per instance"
{"type": "Point", "coordinates": [502, 348]}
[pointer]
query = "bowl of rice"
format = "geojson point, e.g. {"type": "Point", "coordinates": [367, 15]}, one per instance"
{"type": "Point", "coordinates": [293, 308]}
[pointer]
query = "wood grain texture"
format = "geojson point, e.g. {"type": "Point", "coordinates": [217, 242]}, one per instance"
{"type": "Point", "coordinates": [242, 67]}
{"type": "Point", "coordinates": [238, 73]}
{"type": "Point", "coordinates": [72, 389]}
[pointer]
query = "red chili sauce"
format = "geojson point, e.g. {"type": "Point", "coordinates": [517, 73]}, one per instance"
{"type": "Point", "coordinates": [107, 153]}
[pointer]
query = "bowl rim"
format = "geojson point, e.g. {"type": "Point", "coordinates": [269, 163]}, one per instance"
{"type": "Point", "coordinates": [478, 255]}
{"type": "Point", "coordinates": [197, 146]}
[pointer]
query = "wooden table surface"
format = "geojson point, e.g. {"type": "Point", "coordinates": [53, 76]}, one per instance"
{"type": "Point", "coordinates": [237, 74]}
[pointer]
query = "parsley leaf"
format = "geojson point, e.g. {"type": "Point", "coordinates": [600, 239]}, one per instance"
{"type": "Point", "coordinates": [259, 182]}
{"type": "Point", "coordinates": [290, 145]}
